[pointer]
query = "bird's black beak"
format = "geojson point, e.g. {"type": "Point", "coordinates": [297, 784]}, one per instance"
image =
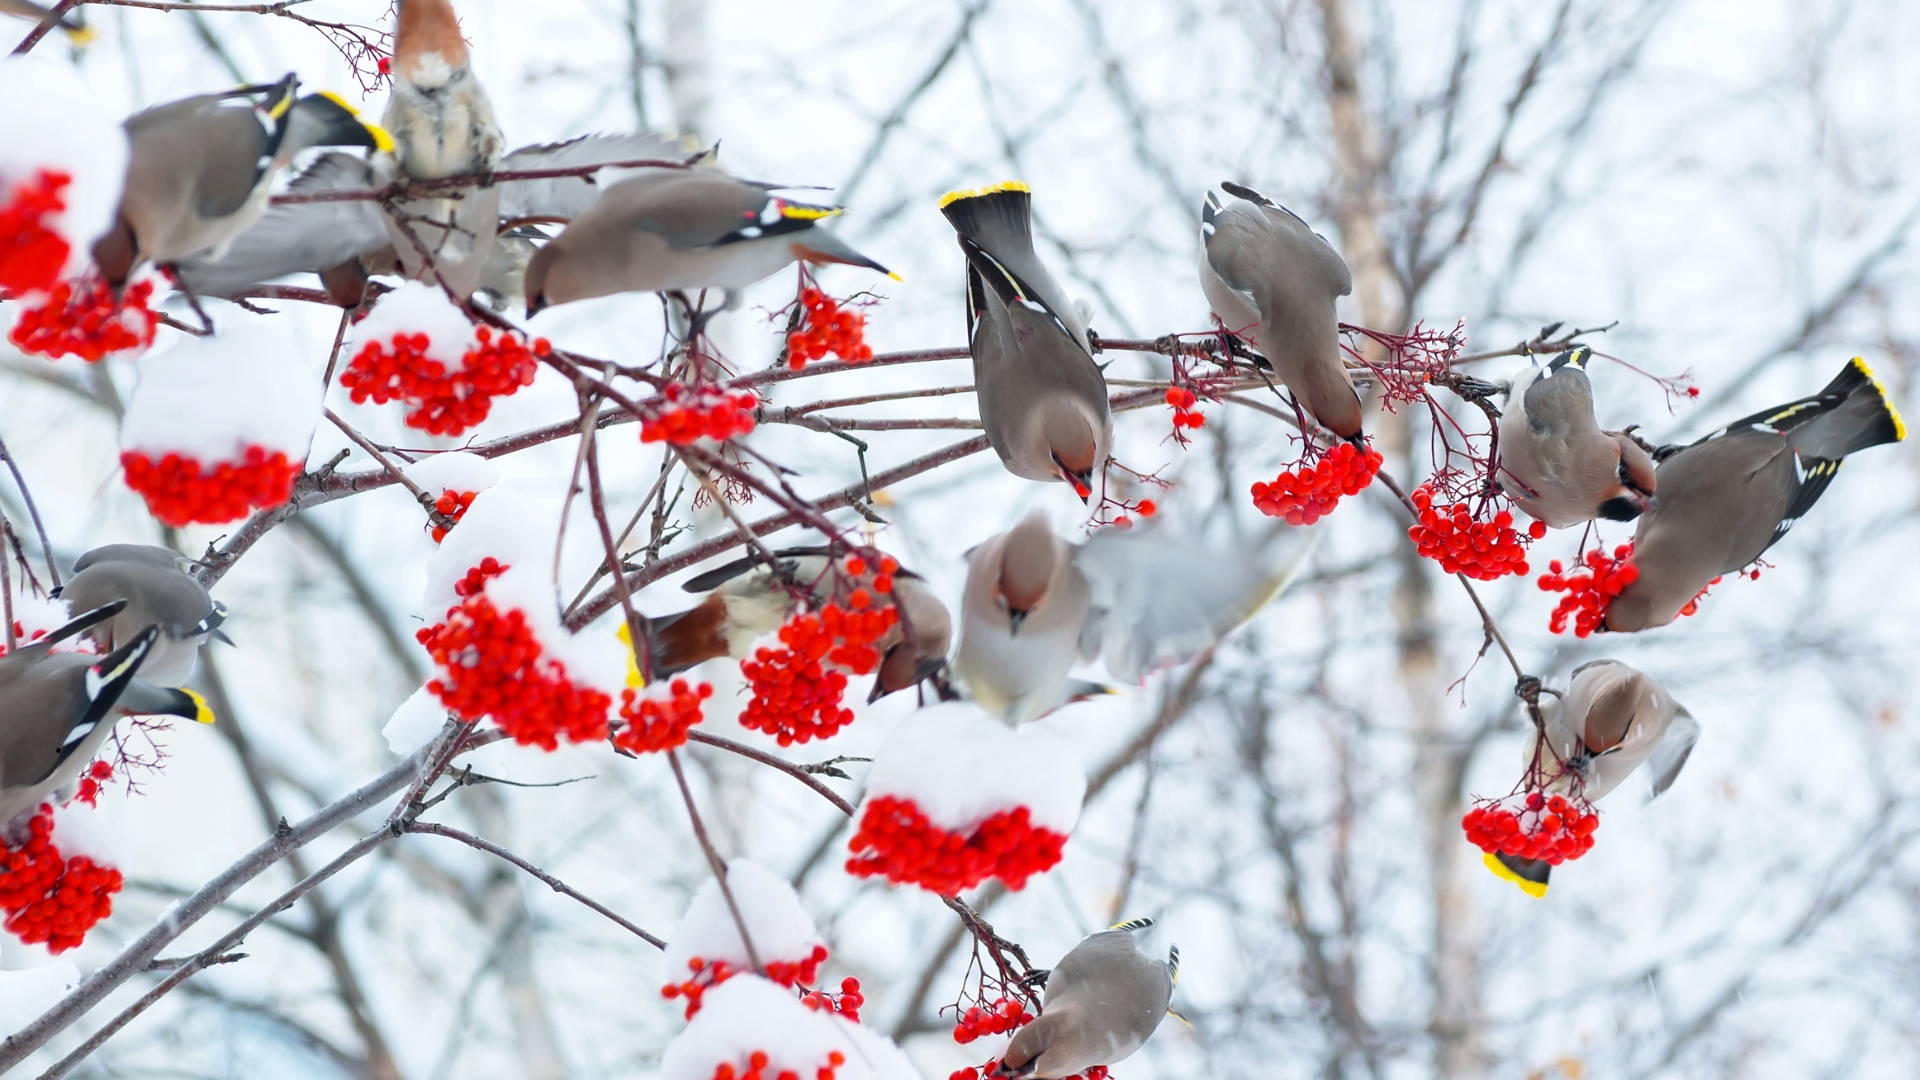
{"type": "Point", "coordinates": [536, 304]}
{"type": "Point", "coordinates": [1628, 506]}
{"type": "Point", "coordinates": [1015, 617]}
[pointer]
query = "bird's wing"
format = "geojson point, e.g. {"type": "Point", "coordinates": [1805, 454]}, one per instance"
{"type": "Point", "coordinates": [568, 196]}
{"type": "Point", "coordinates": [1158, 597]}
{"type": "Point", "coordinates": [1671, 754]}
{"type": "Point", "coordinates": [299, 237]}
{"type": "Point", "coordinates": [235, 153]}
{"type": "Point", "coordinates": [1612, 705]}
{"type": "Point", "coordinates": [699, 208]}
{"type": "Point", "coordinates": [58, 703]}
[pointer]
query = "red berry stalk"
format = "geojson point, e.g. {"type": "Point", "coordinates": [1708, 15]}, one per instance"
{"type": "Point", "coordinates": [1588, 592]}
{"type": "Point", "coordinates": [179, 490]}
{"type": "Point", "coordinates": [898, 842]}
{"type": "Point", "coordinates": [1307, 493]}
{"type": "Point", "coordinates": [443, 402]}
{"type": "Point", "coordinates": [704, 978]}
{"type": "Point", "coordinates": [86, 321]}
{"type": "Point", "coordinates": [52, 899]}
{"type": "Point", "coordinates": [797, 688]}
{"type": "Point", "coordinates": [829, 328]}
{"type": "Point", "coordinates": [1484, 550]}
{"type": "Point", "coordinates": [31, 254]}
{"type": "Point", "coordinates": [687, 414]}
{"type": "Point", "coordinates": [1536, 826]}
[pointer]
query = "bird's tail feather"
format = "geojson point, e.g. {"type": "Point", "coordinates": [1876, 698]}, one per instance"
{"type": "Point", "coordinates": [1132, 924]}
{"type": "Point", "coordinates": [1851, 414]}
{"type": "Point", "coordinates": [998, 218]}
{"type": "Point", "coordinates": [1530, 874]}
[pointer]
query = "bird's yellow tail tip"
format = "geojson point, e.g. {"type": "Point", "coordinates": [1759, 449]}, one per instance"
{"type": "Point", "coordinates": [202, 714]}
{"type": "Point", "coordinates": [1899, 425]}
{"type": "Point", "coordinates": [1535, 889]}
{"type": "Point", "coordinates": [976, 193]}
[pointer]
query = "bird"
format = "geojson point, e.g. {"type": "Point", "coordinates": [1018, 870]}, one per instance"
{"type": "Point", "coordinates": [1613, 720]}
{"type": "Point", "coordinates": [1043, 399]}
{"type": "Point", "coordinates": [746, 600]}
{"type": "Point", "coordinates": [1273, 281]}
{"type": "Point", "coordinates": [158, 591]}
{"type": "Point", "coordinates": [56, 709]}
{"type": "Point", "coordinates": [1137, 599]}
{"type": "Point", "coordinates": [1104, 1000]}
{"type": "Point", "coordinates": [675, 230]}
{"type": "Point", "coordinates": [199, 170]}
{"type": "Point", "coordinates": [76, 30]}
{"type": "Point", "coordinates": [1555, 462]}
{"type": "Point", "coordinates": [1734, 493]}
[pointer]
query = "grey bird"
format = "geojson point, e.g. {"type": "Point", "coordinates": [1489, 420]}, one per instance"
{"type": "Point", "coordinates": [76, 30]}
{"type": "Point", "coordinates": [199, 170]}
{"type": "Point", "coordinates": [158, 591]}
{"type": "Point", "coordinates": [1613, 720]}
{"type": "Point", "coordinates": [1104, 1000]}
{"type": "Point", "coordinates": [57, 709]}
{"type": "Point", "coordinates": [1137, 599]}
{"type": "Point", "coordinates": [1273, 281]}
{"type": "Point", "coordinates": [680, 230]}
{"type": "Point", "coordinates": [746, 600]}
{"type": "Point", "coordinates": [1733, 494]}
{"type": "Point", "coordinates": [1043, 399]}
{"type": "Point", "coordinates": [1555, 462]}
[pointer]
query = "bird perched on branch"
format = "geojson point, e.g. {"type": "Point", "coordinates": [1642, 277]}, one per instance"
{"type": "Point", "coordinates": [748, 600]}
{"type": "Point", "coordinates": [56, 709]}
{"type": "Point", "coordinates": [1042, 398]}
{"type": "Point", "coordinates": [75, 28]}
{"type": "Point", "coordinates": [1104, 1000]}
{"type": "Point", "coordinates": [199, 170]}
{"type": "Point", "coordinates": [1555, 462]}
{"type": "Point", "coordinates": [1733, 494]}
{"type": "Point", "coordinates": [1613, 720]}
{"type": "Point", "coordinates": [1273, 281]}
{"type": "Point", "coordinates": [1137, 599]}
{"type": "Point", "coordinates": [157, 590]}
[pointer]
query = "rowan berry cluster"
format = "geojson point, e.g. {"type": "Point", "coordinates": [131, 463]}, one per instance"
{"type": "Point", "coordinates": [20, 634]}
{"type": "Point", "coordinates": [1305, 494]}
{"type": "Point", "coordinates": [1004, 1015]}
{"type": "Point", "coordinates": [1146, 508]}
{"type": "Point", "coordinates": [797, 688]}
{"type": "Point", "coordinates": [758, 1065]}
{"type": "Point", "coordinates": [1484, 550]}
{"type": "Point", "coordinates": [690, 414]}
{"type": "Point", "coordinates": [829, 329]}
{"type": "Point", "coordinates": [443, 402]}
{"type": "Point", "coordinates": [476, 576]}
{"type": "Point", "coordinates": [179, 490]}
{"type": "Point", "coordinates": [800, 972]}
{"type": "Point", "coordinates": [1552, 828]}
{"type": "Point", "coordinates": [657, 724]}
{"type": "Point", "coordinates": [896, 841]}
{"type": "Point", "coordinates": [1588, 593]}
{"type": "Point", "coordinates": [705, 977]}
{"type": "Point", "coordinates": [1693, 605]}
{"type": "Point", "coordinates": [847, 1003]}
{"type": "Point", "coordinates": [97, 774]}
{"type": "Point", "coordinates": [491, 665]}
{"type": "Point", "coordinates": [1094, 1072]}
{"type": "Point", "coordinates": [87, 321]}
{"type": "Point", "coordinates": [31, 254]}
{"type": "Point", "coordinates": [52, 899]}
{"type": "Point", "coordinates": [1185, 411]}
{"type": "Point", "coordinates": [451, 504]}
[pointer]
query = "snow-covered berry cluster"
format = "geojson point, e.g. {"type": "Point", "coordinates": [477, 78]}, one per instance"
{"type": "Point", "coordinates": [1484, 550]}
{"type": "Point", "coordinates": [689, 414]}
{"type": "Point", "coordinates": [898, 842]}
{"type": "Point", "coordinates": [83, 318]}
{"type": "Point", "coordinates": [31, 254]}
{"type": "Point", "coordinates": [49, 898]}
{"type": "Point", "coordinates": [1186, 412]}
{"type": "Point", "coordinates": [801, 972]}
{"type": "Point", "coordinates": [451, 504]}
{"type": "Point", "coordinates": [1094, 1072]}
{"type": "Point", "coordinates": [758, 1065]}
{"type": "Point", "coordinates": [847, 1003]}
{"type": "Point", "coordinates": [1006, 1014]}
{"type": "Point", "coordinates": [1307, 493]}
{"type": "Point", "coordinates": [443, 402]}
{"type": "Point", "coordinates": [656, 723]}
{"type": "Point", "coordinates": [180, 490]}
{"type": "Point", "coordinates": [829, 329]}
{"type": "Point", "coordinates": [1588, 592]}
{"type": "Point", "coordinates": [797, 688]}
{"type": "Point", "coordinates": [1551, 828]}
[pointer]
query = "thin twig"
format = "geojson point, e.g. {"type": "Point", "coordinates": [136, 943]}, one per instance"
{"type": "Point", "coordinates": [549, 880]}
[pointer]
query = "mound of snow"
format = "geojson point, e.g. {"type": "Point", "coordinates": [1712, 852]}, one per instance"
{"type": "Point", "coordinates": [211, 398]}
{"type": "Point", "coordinates": [747, 1015]}
{"type": "Point", "coordinates": [78, 830]}
{"type": "Point", "coordinates": [961, 766]}
{"type": "Point", "coordinates": [781, 928]}
{"type": "Point", "coordinates": [455, 471]}
{"type": "Point", "coordinates": [417, 308]}
{"type": "Point", "coordinates": [26, 994]}
{"type": "Point", "coordinates": [53, 122]}
{"type": "Point", "coordinates": [418, 719]}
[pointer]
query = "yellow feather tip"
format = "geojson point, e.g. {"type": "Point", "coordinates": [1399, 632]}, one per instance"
{"type": "Point", "coordinates": [1180, 1018]}
{"type": "Point", "coordinates": [80, 37]}
{"type": "Point", "coordinates": [1899, 425]}
{"type": "Point", "coordinates": [203, 715]}
{"type": "Point", "coordinates": [634, 678]}
{"type": "Point", "coordinates": [802, 212]}
{"type": "Point", "coordinates": [895, 276]}
{"type": "Point", "coordinates": [1535, 889]}
{"type": "Point", "coordinates": [382, 139]}
{"type": "Point", "coordinates": [975, 193]}
{"type": "Point", "coordinates": [338, 100]}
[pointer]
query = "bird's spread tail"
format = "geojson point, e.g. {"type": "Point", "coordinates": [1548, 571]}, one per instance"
{"type": "Point", "coordinates": [1131, 925]}
{"type": "Point", "coordinates": [998, 218]}
{"type": "Point", "coordinates": [1530, 874]}
{"type": "Point", "coordinates": [1851, 414]}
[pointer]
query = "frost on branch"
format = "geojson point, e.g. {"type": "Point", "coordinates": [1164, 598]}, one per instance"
{"type": "Point", "coordinates": [454, 479]}
{"type": "Point", "coordinates": [956, 797]}
{"type": "Point", "coordinates": [220, 425]}
{"type": "Point", "coordinates": [57, 882]}
{"type": "Point", "coordinates": [417, 347]}
{"type": "Point", "coordinates": [706, 949]}
{"type": "Point", "coordinates": [751, 1029]}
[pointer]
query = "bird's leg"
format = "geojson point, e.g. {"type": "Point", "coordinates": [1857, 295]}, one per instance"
{"type": "Point", "coordinates": [830, 767]}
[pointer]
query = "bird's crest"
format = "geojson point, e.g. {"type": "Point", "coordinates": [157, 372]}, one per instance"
{"type": "Point", "coordinates": [977, 193]}
{"type": "Point", "coordinates": [1131, 925]}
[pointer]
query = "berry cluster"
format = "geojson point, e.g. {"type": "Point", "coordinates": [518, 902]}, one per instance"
{"type": "Point", "coordinates": [847, 1003]}
{"type": "Point", "coordinates": [179, 490]}
{"type": "Point", "coordinates": [52, 899]}
{"type": "Point", "coordinates": [896, 841]}
{"type": "Point", "coordinates": [1004, 1015]}
{"type": "Point", "coordinates": [758, 1065]}
{"type": "Point", "coordinates": [31, 254]}
{"type": "Point", "coordinates": [1484, 550]}
{"type": "Point", "coordinates": [705, 977]}
{"type": "Point", "coordinates": [491, 665]}
{"type": "Point", "coordinates": [443, 403]}
{"type": "Point", "coordinates": [97, 774]}
{"type": "Point", "coordinates": [87, 322]}
{"type": "Point", "coordinates": [453, 505]}
{"type": "Point", "coordinates": [1094, 1072]}
{"type": "Point", "coordinates": [800, 972]}
{"type": "Point", "coordinates": [1185, 412]}
{"type": "Point", "coordinates": [1308, 493]}
{"type": "Point", "coordinates": [690, 414]}
{"type": "Point", "coordinates": [656, 724]}
{"type": "Point", "coordinates": [830, 329]}
{"type": "Point", "coordinates": [796, 694]}
{"type": "Point", "coordinates": [476, 576]}
{"type": "Point", "coordinates": [1589, 593]}
{"type": "Point", "coordinates": [1552, 828]}
{"type": "Point", "coordinates": [20, 634]}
